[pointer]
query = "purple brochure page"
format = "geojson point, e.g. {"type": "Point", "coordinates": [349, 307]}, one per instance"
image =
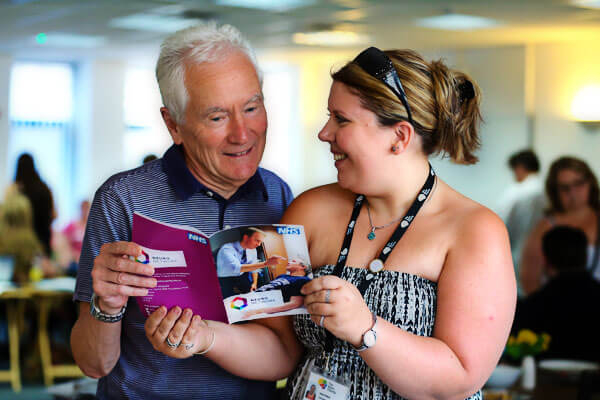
{"type": "Point", "coordinates": [183, 267]}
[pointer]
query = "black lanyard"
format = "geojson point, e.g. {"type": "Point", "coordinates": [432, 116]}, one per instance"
{"type": "Point", "coordinates": [387, 249]}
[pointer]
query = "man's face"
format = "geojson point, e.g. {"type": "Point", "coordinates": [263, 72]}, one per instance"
{"type": "Point", "coordinates": [520, 173]}
{"type": "Point", "coordinates": [252, 242]}
{"type": "Point", "coordinates": [225, 123]}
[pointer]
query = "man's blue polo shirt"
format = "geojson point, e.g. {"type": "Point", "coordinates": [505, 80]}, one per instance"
{"type": "Point", "coordinates": [166, 190]}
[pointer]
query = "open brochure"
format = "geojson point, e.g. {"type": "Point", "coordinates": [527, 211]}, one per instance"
{"type": "Point", "coordinates": [237, 274]}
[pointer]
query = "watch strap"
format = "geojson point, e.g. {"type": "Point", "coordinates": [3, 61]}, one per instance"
{"type": "Point", "coordinates": [363, 346]}
{"type": "Point", "coordinates": [103, 317]}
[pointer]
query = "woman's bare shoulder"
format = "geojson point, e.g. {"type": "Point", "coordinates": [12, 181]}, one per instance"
{"type": "Point", "coordinates": [316, 203]}
{"type": "Point", "coordinates": [470, 217]}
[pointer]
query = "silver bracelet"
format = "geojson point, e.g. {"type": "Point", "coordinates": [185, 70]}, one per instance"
{"type": "Point", "coordinates": [97, 313]}
{"type": "Point", "coordinates": [210, 346]}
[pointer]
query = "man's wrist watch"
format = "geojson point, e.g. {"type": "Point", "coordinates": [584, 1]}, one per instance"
{"type": "Point", "coordinates": [103, 317]}
{"type": "Point", "coordinates": [369, 338]}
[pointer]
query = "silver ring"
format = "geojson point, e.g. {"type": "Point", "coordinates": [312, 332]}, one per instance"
{"type": "Point", "coordinates": [187, 346]}
{"type": "Point", "coordinates": [321, 321]}
{"type": "Point", "coordinates": [327, 294]}
{"type": "Point", "coordinates": [171, 344]}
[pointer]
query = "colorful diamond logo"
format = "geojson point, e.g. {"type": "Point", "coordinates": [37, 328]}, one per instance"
{"type": "Point", "coordinates": [144, 258]}
{"type": "Point", "coordinates": [323, 383]}
{"type": "Point", "coordinates": [238, 303]}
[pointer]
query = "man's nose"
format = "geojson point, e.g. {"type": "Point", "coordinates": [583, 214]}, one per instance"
{"type": "Point", "coordinates": [238, 130]}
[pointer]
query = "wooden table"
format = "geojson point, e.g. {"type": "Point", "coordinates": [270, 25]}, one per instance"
{"type": "Point", "coordinates": [15, 311]}
{"type": "Point", "coordinates": [44, 298]}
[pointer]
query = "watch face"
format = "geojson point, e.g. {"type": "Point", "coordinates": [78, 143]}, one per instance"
{"type": "Point", "coordinates": [369, 338]}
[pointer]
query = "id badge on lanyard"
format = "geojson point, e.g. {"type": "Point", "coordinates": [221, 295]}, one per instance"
{"type": "Point", "coordinates": [322, 385]}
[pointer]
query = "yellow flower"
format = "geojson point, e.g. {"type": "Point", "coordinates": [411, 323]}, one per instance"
{"type": "Point", "coordinates": [511, 340]}
{"type": "Point", "coordinates": [527, 336]}
{"type": "Point", "coordinates": [545, 341]}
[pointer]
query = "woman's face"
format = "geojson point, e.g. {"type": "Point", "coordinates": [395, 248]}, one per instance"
{"type": "Point", "coordinates": [358, 143]}
{"type": "Point", "coordinates": [573, 190]}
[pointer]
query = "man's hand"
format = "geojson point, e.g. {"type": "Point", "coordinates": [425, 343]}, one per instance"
{"type": "Point", "coordinates": [188, 333]}
{"type": "Point", "coordinates": [274, 260]}
{"type": "Point", "coordinates": [115, 277]}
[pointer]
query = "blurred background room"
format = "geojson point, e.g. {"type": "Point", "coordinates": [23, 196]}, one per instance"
{"type": "Point", "coordinates": [79, 102]}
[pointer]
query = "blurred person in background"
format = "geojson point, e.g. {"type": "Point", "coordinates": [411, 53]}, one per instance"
{"type": "Point", "coordinates": [31, 185]}
{"type": "Point", "coordinates": [522, 204]}
{"type": "Point", "coordinates": [17, 237]}
{"type": "Point", "coordinates": [148, 158]}
{"type": "Point", "coordinates": [565, 306]}
{"type": "Point", "coordinates": [574, 197]}
{"type": "Point", "coordinates": [73, 234]}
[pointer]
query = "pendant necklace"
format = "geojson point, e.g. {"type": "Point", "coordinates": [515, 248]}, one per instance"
{"type": "Point", "coordinates": [371, 234]}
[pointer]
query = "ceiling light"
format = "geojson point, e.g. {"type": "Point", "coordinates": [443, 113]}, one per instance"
{"type": "Point", "coordinates": [41, 38]}
{"type": "Point", "coordinates": [349, 15]}
{"type": "Point", "coordinates": [58, 39]}
{"type": "Point", "coordinates": [152, 22]}
{"type": "Point", "coordinates": [586, 3]}
{"type": "Point", "coordinates": [271, 5]}
{"type": "Point", "coordinates": [331, 38]}
{"type": "Point", "coordinates": [585, 104]}
{"type": "Point", "coordinates": [457, 22]}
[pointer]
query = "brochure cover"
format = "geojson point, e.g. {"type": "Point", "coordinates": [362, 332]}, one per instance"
{"type": "Point", "coordinates": [237, 274]}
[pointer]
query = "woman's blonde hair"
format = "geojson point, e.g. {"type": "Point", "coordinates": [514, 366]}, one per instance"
{"type": "Point", "coordinates": [15, 211]}
{"type": "Point", "coordinates": [444, 103]}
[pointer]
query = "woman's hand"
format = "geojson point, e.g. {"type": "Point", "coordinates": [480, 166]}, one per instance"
{"type": "Point", "coordinates": [346, 313]}
{"type": "Point", "coordinates": [186, 333]}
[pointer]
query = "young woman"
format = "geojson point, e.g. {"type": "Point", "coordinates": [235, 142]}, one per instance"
{"type": "Point", "coordinates": [414, 289]}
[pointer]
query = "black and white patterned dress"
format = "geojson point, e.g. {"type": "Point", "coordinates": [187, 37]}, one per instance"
{"type": "Point", "coordinates": [408, 301]}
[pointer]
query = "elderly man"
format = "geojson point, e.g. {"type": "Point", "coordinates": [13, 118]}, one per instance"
{"type": "Point", "coordinates": [209, 179]}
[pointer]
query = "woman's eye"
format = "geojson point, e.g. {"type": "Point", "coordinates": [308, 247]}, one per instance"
{"type": "Point", "coordinates": [251, 109]}
{"type": "Point", "coordinates": [339, 119]}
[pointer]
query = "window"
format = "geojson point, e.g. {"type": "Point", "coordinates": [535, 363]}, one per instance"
{"type": "Point", "coordinates": [41, 114]}
{"type": "Point", "coordinates": [145, 132]}
{"type": "Point", "coordinates": [283, 153]}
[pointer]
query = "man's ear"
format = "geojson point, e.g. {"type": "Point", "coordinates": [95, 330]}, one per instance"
{"type": "Point", "coordinates": [404, 133]}
{"type": "Point", "coordinates": [171, 125]}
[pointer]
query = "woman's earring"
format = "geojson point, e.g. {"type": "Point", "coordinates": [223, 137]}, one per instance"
{"type": "Point", "coordinates": [394, 149]}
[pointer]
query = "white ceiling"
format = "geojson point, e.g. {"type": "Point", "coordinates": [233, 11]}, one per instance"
{"type": "Point", "coordinates": [389, 23]}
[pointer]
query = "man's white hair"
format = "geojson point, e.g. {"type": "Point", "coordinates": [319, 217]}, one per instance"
{"type": "Point", "coordinates": [202, 43]}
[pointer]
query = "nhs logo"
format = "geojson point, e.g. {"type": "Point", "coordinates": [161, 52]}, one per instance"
{"type": "Point", "coordinates": [289, 230]}
{"type": "Point", "coordinates": [196, 238]}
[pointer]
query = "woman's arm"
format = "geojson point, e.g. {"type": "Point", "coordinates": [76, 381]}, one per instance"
{"type": "Point", "coordinates": [262, 350]}
{"type": "Point", "coordinates": [475, 309]}
{"type": "Point", "coordinates": [531, 269]}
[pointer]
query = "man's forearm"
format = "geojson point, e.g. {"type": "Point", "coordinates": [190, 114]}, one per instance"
{"type": "Point", "coordinates": [251, 267]}
{"type": "Point", "coordinates": [96, 345]}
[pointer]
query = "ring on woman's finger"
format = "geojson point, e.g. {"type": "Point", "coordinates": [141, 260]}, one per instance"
{"type": "Point", "coordinates": [187, 346]}
{"type": "Point", "coordinates": [321, 321]}
{"type": "Point", "coordinates": [171, 344]}
{"type": "Point", "coordinates": [327, 295]}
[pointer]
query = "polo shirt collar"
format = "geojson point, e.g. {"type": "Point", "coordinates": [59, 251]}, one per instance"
{"type": "Point", "coordinates": [186, 185]}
